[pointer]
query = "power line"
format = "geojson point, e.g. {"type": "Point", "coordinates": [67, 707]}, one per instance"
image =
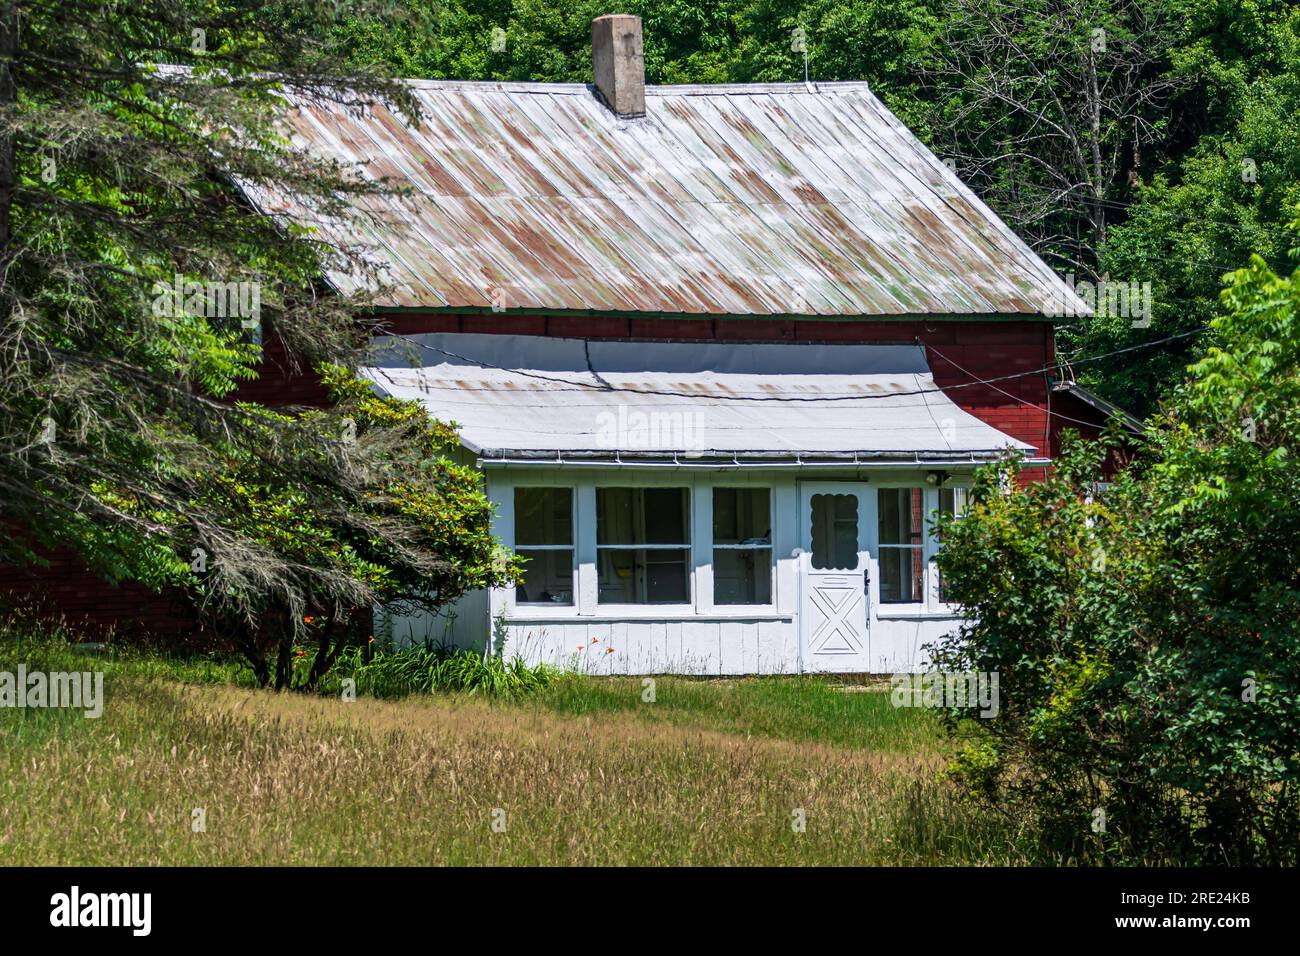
{"type": "Point", "coordinates": [575, 383]}
{"type": "Point", "coordinates": [1017, 398]}
{"type": "Point", "coordinates": [1118, 204]}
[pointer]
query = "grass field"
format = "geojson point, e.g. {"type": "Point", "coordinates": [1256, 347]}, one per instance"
{"type": "Point", "coordinates": [583, 772]}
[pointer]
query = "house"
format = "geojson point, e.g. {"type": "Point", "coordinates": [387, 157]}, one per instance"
{"type": "Point", "coordinates": [720, 353]}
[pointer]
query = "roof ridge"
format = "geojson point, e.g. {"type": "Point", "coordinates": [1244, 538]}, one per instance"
{"type": "Point", "coordinates": [667, 89]}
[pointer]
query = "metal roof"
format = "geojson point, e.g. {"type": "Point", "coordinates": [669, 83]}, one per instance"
{"type": "Point", "coordinates": [763, 199]}
{"type": "Point", "coordinates": [574, 400]}
{"type": "Point", "coordinates": [1109, 410]}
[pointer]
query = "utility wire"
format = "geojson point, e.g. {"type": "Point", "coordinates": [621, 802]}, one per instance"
{"type": "Point", "coordinates": [1083, 198]}
{"type": "Point", "coordinates": [976, 381]}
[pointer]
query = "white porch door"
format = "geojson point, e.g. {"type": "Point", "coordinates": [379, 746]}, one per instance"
{"type": "Point", "coordinates": [833, 612]}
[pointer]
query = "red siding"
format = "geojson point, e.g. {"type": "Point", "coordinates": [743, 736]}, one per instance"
{"type": "Point", "coordinates": [65, 590]}
{"type": "Point", "coordinates": [278, 383]}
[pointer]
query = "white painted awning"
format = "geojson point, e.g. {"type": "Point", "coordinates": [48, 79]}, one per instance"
{"type": "Point", "coordinates": [574, 400]}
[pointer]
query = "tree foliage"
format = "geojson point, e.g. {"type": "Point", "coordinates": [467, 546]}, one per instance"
{"type": "Point", "coordinates": [127, 133]}
{"type": "Point", "coordinates": [1147, 637]}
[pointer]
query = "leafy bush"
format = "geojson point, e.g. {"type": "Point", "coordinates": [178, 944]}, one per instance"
{"type": "Point", "coordinates": [1147, 637]}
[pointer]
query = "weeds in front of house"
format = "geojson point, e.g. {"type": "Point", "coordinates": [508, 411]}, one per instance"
{"type": "Point", "coordinates": [425, 669]}
{"type": "Point", "coordinates": [287, 779]}
{"type": "Point", "coordinates": [577, 770]}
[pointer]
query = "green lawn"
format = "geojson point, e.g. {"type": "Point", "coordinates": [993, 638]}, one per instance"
{"type": "Point", "coordinates": [584, 772]}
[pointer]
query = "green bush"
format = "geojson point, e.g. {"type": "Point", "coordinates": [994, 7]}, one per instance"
{"type": "Point", "coordinates": [426, 668]}
{"type": "Point", "coordinates": [1147, 637]}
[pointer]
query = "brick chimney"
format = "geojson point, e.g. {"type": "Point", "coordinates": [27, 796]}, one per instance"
{"type": "Point", "coordinates": [618, 63]}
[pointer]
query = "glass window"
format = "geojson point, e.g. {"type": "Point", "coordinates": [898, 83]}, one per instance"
{"type": "Point", "coordinates": [834, 532]}
{"type": "Point", "coordinates": [952, 501]}
{"type": "Point", "coordinates": [902, 540]}
{"type": "Point", "coordinates": [544, 539]}
{"type": "Point", "coordinates": [643, 545]}
{"type": "Point", "coordinates": [742, 546]}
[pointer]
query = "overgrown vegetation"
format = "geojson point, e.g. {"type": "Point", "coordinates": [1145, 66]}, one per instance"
{"type": "Point", "coordinates": [585, 771]}
{"type": "Point", "coordinates": [1147, 636]}
{"type": "Point", "coordinates": [425, 669]}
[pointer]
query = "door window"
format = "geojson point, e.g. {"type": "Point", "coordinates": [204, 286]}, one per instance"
{"type": "Point", "coordinates": [834, 532]}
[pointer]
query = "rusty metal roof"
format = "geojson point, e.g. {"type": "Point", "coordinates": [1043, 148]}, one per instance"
{"type": "Point", "coordinates": [761, 199]}
{"type": "Point", "coordinates": [538, 398]}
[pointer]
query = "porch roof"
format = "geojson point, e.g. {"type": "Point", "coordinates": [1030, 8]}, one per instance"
{"type": "Point", "coordinates": [577, 400]}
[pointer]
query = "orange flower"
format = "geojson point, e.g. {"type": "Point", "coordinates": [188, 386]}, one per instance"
{"type": "Point", "coordinates": [609, 650]}
{"type": "Point", "coordinates": [582, 647]}
{"type": "Point", "coordinates": [372, 639]}
{"type": "Point", "coordinates": [595, 640]}
{"type": "Point", "coordinates": [308, 620]}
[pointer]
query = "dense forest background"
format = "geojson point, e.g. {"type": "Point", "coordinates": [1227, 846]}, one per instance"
{"type": "Point", "coordinates": [1136, 140]}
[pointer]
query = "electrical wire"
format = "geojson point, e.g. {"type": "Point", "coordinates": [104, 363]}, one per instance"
{"type": "Point", "coordinates": [975, 380]}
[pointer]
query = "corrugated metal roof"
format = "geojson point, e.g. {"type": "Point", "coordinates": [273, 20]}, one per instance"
{"type": "Point", "coordinates": [772, 199]}
{"type": "Point", "coordinates": [573, 399]}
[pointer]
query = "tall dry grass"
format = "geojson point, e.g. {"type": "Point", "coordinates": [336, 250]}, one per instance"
{"type": "Point", "coordinates": [575, 779]}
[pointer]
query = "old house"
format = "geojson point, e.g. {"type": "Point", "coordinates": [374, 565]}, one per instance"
{"type": "Point", "coordinates": [720, 353]}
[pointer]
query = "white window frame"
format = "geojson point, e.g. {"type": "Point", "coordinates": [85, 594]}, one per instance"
{"type": "Point", "coordinates": [924, 546]}
{"type": "Point", "coordinates": [932, 562]}
{"type": "Point", "coordinates": [931, 606]}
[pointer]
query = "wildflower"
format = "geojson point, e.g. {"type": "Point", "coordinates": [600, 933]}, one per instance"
{"type": "Point", "coordinates": [372, 639]}
{"type": "Point", "coordinates": [609, 650]}
{"type": "Point", "coordinates": [308, 620]}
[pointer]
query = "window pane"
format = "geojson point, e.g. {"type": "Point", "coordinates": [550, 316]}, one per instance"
{"type": "Point", "coordinates": [834, 531]}
{"type": "Point", "coordinates": [742, 516]}
{"type": "Point", "coordinates": [643, 576]}
{"type": "Point", "coordinates": [952, 501]}
{"type": "Point", "coordinates": [548, 577]}
{"type": "Point", "coordinates": [616, 517]}
{"type": "Point", "coordinates": [665, 516]}
{"type": "Point", "coordinates": [742, 576]}
{"type": "Point", "coordinates": [543, 516]}
{"type": "Point", "coordinates": [901, 519]}
{"type": "Point", "coordinates": [642, 516]}
{"type": "Point", "coordinates": [901, 578]}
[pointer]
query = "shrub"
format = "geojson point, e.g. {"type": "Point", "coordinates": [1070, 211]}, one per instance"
{"type": "Point", "coordinates": [1147, 638]}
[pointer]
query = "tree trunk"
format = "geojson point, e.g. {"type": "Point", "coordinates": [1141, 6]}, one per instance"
{"type": "Point", "coordinates": [1094, 130]}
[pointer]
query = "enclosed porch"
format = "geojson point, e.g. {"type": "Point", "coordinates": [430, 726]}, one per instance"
{"type": "Point", "coordinates": [701, 509]}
